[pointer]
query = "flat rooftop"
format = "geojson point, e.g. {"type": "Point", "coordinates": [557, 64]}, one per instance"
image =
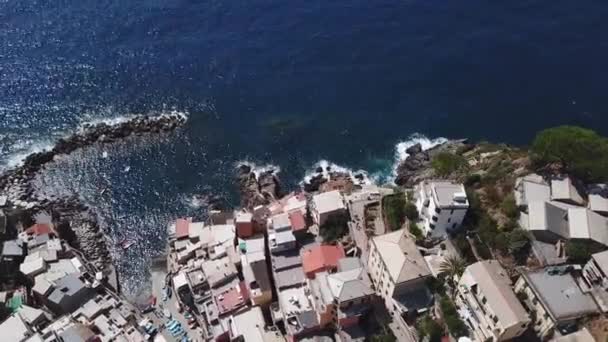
{"type": "Point", "coordinates": [561, 295]}
{"type": "Point", "coordinates": [286, 260]}
{"type": "Point", "coordinates": [328, 202]}
{"type": "Point", "coordinates": [444, 193]}
{"type": "Point", "coordinates": [289, 277]}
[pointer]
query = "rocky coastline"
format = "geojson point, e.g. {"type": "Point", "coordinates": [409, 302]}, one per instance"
{"type": "Point", "coordinates": [417, 166]}
{"type": "Point", "coordinates": [76, 222]}
{"type": "Point", "coordinates": [256, 190]}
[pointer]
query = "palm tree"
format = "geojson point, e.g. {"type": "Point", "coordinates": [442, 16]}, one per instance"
{"type": "Point", "coordinates": [453, 266]}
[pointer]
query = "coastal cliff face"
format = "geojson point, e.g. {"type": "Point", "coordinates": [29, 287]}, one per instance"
{"type": "Point", "coordinates": [259, 189]}
{"type": "Point", "coordinates": [417, 166]}
{"type": "Point", "coordinates": [77, 223]}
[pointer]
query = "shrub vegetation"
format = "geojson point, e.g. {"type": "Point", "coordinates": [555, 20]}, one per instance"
{"type": "Point", "coordinates": [446, 163]}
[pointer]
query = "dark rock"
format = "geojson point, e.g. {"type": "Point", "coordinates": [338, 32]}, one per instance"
{"type": "Point", "coordinates": [417, 148]}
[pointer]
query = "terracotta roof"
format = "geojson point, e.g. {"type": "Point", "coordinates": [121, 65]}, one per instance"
{"type": "Point", "coordinates": [321, 257]}
{"type": "Point", "coordinates": [232, 299]}
{"type": "Point", "coordinates": [297, 221]}
{"type": "Point", "coordinates": [40, 229]}
{"type": "Point", "coordinates": [181, 228]}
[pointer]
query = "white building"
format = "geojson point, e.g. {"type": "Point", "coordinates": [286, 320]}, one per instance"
{"type": "Point", "coordinates": [397, 268]}
{"type": "Point", "coordinates": [327, 204]}
{"type": "Point", "coordinates": [531, 188]}
{"type": "Point", "coordinates": [562, 189]}
{"type": "Point", "coordinates": [280, 234]}
{"type": "Point", "coordinates": [598, 199]}
{"type": "Point", "coordinates": [442, 206]}
{"type": "Point", "coordinates": [493, 311]}
{"type": "Point", "coordinates": [551, 221]}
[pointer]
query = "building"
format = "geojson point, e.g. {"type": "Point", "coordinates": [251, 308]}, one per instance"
{"type": "Point", "coordinates": [596, 270]}
{"type": "Point", "coordinates": [342, 298]}
{"type": "Point", "coordinates": [297, 312]}
{"type": "Point", "coordinates": [69, 294]}
{"type": "Point", "coordinates": [493, 311]}
{"type": "Point", "coordinates": [280, 236]}
{"type": "Point", "coordinates": [552, 221]}
{"type": "Point", "coordinates": [442, 206]}
{"type": "Point", "coordinates": [563, 190]}
{"type": "Point", "coordinates": [255, 270]}
{"type": "Point", "coordinates": [298, 223]}
{"type": "Point", "coordinates": [249, 326]}
{"type": "Point", "coordinates": [244, 224]}
{"type": "Point", "coordinates": [219, 271]}
{"type": "Point", "coordinates": [399, 272]}
{"type": "Point", "coordinates": [15, 329]}
{"type": "Point", "coordinates": [555, 299]}
{"type": "Point", "coordinates": [598, 199]}
{"type": "Point", "coordinates": [3, 222]}
{"type": "Point", "coordinates": [327, 204]}
{"type": "Point", "coordinates": [582, 335]}
{"type": "Point", "coordinates": [531, 188]}
{"type": "Point", "coordinates": [321, 258]}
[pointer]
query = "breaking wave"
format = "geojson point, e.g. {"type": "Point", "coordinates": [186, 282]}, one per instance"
{"type": "Point", "coordinates": [259, 169]}
{"type": "Point", "coordinates": [325, 168]}
{"type": "Point", "coordinates": [401, 149]}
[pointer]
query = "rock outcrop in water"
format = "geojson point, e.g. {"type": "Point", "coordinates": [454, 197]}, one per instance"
{"type": "Point", "coordinates": [417, 166]}
{"type": "Point", "coordinates": [257, 190]}
{"type": "Point", "coordinates": [328, 179]}
{"type": "Point", "coordinates": [74, 217]}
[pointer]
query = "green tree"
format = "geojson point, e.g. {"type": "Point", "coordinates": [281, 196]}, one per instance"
{"type": "Point", "coordinates": [416, 231]}
{"type": "Point", "coordinates": [455, 325]}
{"type": "Point", "coordinates": [411, 212]}
{"type": "Point", "coordinates": [446, 163]}
{"type": "Point", "coordinates": [394, 210]}
{"type": "Point", "coordinates": [334, 227]}
{"type": "Point", "coordinates": [452, 266]}
{"type": "Point", "coordinates": [426, 326]}
{"type": "Point", "coordinates": [386, 335]}
{"type": "Point", "coordinates": [581, 151]}
{"type": "Point", "coordinates": [578, 251]}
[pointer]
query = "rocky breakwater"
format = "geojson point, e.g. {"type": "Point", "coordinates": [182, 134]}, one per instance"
{"type": "Point", "coordinates": [417, 166]}
{"type": "Point", "coordinates": [78, 222]}
{"type": "Point", "coordinates": [257, 189]}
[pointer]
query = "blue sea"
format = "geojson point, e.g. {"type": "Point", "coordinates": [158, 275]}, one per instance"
{"type": "Point", "coordinates": [284, 83]}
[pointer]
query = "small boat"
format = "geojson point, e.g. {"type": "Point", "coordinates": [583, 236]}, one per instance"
{"type": "Point", "coordinates": [125, 244]}
{"type": "Point", "coordinates": [127, 169]}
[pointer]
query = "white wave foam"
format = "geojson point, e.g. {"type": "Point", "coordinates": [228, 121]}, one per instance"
{"type": "Point", "coordinates": [259, 169]}
{"type": "Point", "coordinates": [325, 168]}
{"type": "Point", "coordinates": [416, 138]}
{"type": "Point", "coordinates": [22, 149]}
{"type": "Point", "coordinates": [117, 120]}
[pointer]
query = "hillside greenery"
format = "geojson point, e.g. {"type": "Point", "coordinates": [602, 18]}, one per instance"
{"type": "Point", "coordinates": [582, 152]}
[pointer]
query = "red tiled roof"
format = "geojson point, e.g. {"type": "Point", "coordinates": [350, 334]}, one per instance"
{"type": "Point", "coordinates": [321, 257]}
{"type": "Point", "coordinates": [40, 229]}
{"type": "Point", "coordinates": [232, 299]}
{"type": "Point", "coordinates": [181, 228]}
{"type": "Point", "coordinates": [297, 221]}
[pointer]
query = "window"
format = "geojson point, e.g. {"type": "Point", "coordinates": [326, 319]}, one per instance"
{"type": "Point", "coordinates": [452, 212]}
{"type": "Point", "coordinates": [438, 210]}
{"type": "Point", "coordinates": [449, 220]}
{"type": "Point", "coordinates": [432, 226]}
{"type": "Point", "coordinates": [495, 319]}
{"type": "Point", "coordinates": [435, 218]}
{"type": "Point", "coordinates": [484, 300]}
{"type": "Point", "coordinates": [453, 225]}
